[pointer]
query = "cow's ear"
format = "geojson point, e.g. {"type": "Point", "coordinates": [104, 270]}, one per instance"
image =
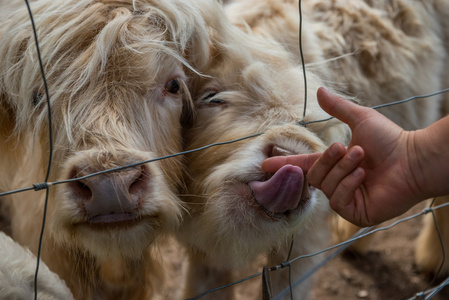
{"type": "Point", "coordinates": [187, 114]}
{"type": "Point", "coordinates": [7, 108]}
{"type": "Point", "coordinates": [7, 118]}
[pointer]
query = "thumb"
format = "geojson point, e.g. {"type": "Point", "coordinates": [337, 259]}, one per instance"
{"type": "Point", "coordinates": [344, 110]}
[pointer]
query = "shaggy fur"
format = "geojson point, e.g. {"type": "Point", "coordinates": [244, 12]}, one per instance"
{"type": "Point", "coordinates": [7, 8]}
{"type": "Point", "coordinates": [254, 86]}
{"type": "Point", "coordinates": [386, 50]}
{"type": "Point", "coordinates": [17, 268]}
{"type": "Point", "coordinates": [116, 73]}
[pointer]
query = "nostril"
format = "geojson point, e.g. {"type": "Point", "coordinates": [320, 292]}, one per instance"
{"type": "Point", "coordinates": [80, 189]}
{"type": "Point", "coordinates": [279, 151]}
{"type": "Point", "coordinates": [138, 181]}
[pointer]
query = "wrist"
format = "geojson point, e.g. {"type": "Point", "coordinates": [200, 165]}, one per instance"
{"type": "Point", "coordinates": [429, 161]}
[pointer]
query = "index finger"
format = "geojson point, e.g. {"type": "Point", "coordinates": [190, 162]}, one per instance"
{"type": "Point", "coordinates": [304, 161]}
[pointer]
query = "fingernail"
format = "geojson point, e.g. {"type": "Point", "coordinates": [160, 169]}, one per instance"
{"type": "Point", "coordinates": [333, 151]}
{"type": "Point", "coordinates": [357, 172]}
{"type": "Point", "coordinates": [324, 89]}
{"type": "Point", "coordinates": [353, 154]}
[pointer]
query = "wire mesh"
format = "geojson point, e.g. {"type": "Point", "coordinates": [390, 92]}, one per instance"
{"type": "Point", "coordinates": [428, 293]}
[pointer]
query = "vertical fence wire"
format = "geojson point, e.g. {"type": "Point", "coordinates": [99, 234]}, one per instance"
{"type": "Point", "coordinates": [50, 154]}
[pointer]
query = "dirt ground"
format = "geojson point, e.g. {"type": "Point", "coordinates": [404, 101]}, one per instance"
{"type": "Point", "coordinates": [386, 271]}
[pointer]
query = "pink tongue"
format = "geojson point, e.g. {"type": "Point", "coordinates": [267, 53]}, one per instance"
{"type": "Point", "coordinates": [282, 192]}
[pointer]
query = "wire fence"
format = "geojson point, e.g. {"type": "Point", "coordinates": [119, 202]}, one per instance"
{"type": "Point", "coordinates": [335, 250]}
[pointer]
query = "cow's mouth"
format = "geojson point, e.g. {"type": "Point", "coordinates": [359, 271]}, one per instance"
{"type": "Point", "coordinates": [286, 192]}
{"type": "Point", "coordinates": [113, 220]}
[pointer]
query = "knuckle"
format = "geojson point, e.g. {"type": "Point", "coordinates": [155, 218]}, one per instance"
{"type": "Point", "coordinates": [347, 185]}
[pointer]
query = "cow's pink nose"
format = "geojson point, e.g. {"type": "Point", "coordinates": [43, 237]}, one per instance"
{"type": "Point", "coordinates": [110, 197]}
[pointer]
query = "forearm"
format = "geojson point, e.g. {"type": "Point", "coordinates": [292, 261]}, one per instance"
{"type": "Point", "coordinates": [430, 164]}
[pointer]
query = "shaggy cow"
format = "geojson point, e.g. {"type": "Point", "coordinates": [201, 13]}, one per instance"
{"type": "Point", "coordinates": [240, 217]}
{"type": "Point", "coordinates": [362, 48]}
{"type": "Point", "coordinates": [117, 79]}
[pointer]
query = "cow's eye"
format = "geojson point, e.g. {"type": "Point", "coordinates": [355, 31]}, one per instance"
{"type": "Point", "coordinates": [172, 86]}
{"type": "Point", "coordinates": [211, 98]}
{"type": "Point", "coordinates": [208, 96]}
{"type": "Point", "coordinates": [216, 101]}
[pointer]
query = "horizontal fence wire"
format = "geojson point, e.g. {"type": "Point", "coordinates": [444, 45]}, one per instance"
{"type": "Point", "coordinates": [43, 185]}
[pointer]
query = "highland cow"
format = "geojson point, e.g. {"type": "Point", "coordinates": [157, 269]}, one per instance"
{"type": "Point", "coordinates": [241, 218]}
{"type": "Point", "coordinates": [117, 74]}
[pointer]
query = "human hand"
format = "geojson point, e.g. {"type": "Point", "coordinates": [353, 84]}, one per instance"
{"type": "Point", "coordinates": [368, 182]}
